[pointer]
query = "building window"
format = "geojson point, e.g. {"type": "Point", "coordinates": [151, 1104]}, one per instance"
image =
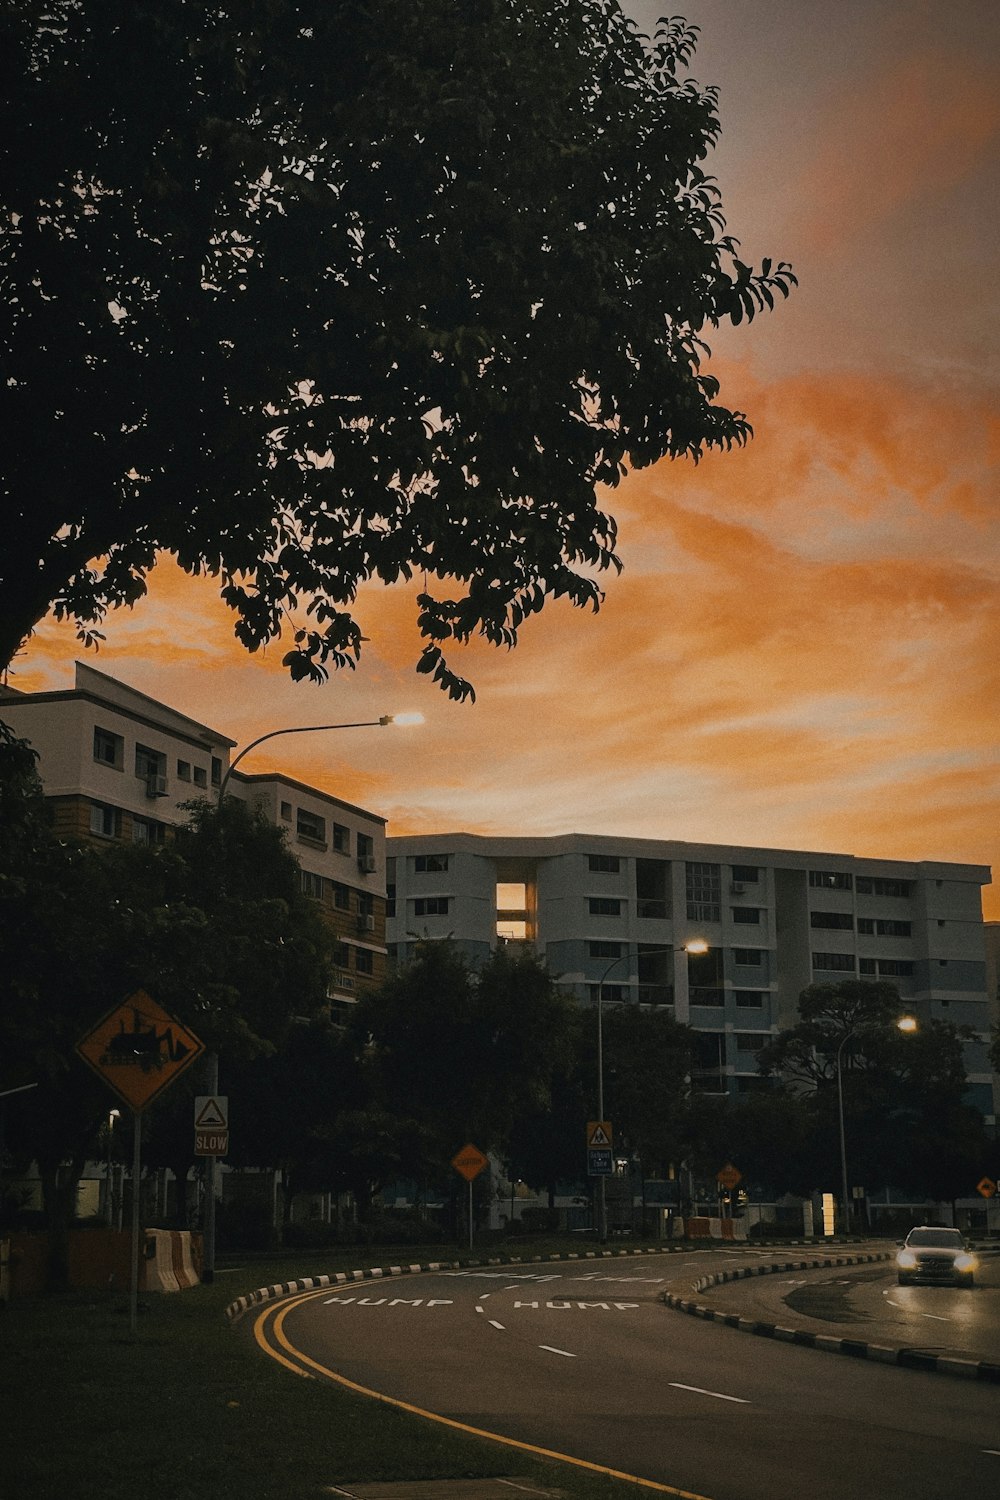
{"type": "Point", "coordinates": [390, 901]}
{"type": "Point", "coordinates": [703, 888]}
{"type": "Point", "coordinates": [200, 776]}
{"type": "Point", "coordinates": [886, 927]}
{"type": "Point", "coordinates": [752, 1041]}
{"type": "Point", "coordinates": [431, 906]}
{"type": "Point", "coordinates": [183, 770]}
{"type": "Point", "coordinates": [341, 838]}
{"type": "Point", "coordinates": [747, 915]}
{"type": "Point", "coordinates": [708, 1061]}
{"type": "Point", "coordinates": [746, 874]}
{"type": "Point", "coordinates": [749, 958]}
{"type": "Point", "coordinates": [830, 880]}
{"type": "Point", "coordinates": [364, 961]}
{"type": "Point", "coordinates": [609, 864]}
{"type": "Point", "coordinates": [895, 968]}
{"type": "Point", "coordinates": [749, 999]}
{"type": "Point", "coordinates": [286, 812]}
{"type": "Point", "coordinates": [430, 864]}
{"type": "Point", "coordinates": [216, 771]}
{"type": "Point", "coordinates": [868, 968]}
{"type": "Point", "coordinates": [366, 853]}
{"type": "Point", "coordinates": [604, 906]}
{"type": "Point", "coordinates": [149, 762]}
{"type": "Point", "coordinates": [309, 825]}
{"type": "Point", "coordinates": [611, 994]}
{"type": "Point", "coordinates": [109, 749]}
{"type": "Point", "coordinates": [836, 963]}
{"type": "Point", "coordinates": [146, 831]}
{"type": "Point", "coordinates": [873, 885]}
{"type": "Point", "coordinates": [866, 925]}
{"type": "Point", "coordinates": [312, 885]}
{"type": "Point", "coordinates": [841, 920]}
{"type": "Point", "coordinates": [600, 948]}
{"type": "Point", "coordinates": [341, 895]}
{"type": "Point", "coordinates": [105, 821]}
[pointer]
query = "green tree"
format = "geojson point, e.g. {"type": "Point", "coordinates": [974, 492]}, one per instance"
{"type": "Point", "coordinates": [213, 925]}
{"type": "Point", "coordinates": [647, 1065]}
{"type": "Point", "coordinates": [459, 1054]}
{"type": "Point", "coordinates": [327, 292]}
{"type": "Point", "coordinates": [906, 1122]}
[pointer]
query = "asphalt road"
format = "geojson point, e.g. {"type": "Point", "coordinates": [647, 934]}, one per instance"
{"type": "Point", "coordinates": [583, 1359]}
{"type": "Point", "coordinates": [866, 1303]}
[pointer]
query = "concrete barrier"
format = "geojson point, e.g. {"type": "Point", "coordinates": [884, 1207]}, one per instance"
{"type": "Point", "coordinates": [715, 1229]}
{"type": "Point", "coordinates": [170, 1261]}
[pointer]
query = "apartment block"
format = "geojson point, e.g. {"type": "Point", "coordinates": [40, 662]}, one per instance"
{"type": "Point", "coordinates": [116, 764]}
{"type": "Point", "coordinates": [616, 913]}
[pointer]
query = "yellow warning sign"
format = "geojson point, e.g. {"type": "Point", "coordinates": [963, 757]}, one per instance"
{"type": "Point", "coordinates": [138, 1049]}
{"type": "Point", "coordinates": [598, 1134]}
{"type": "Point", "coordinates": [986, 1188]}
{"type": "Point", "coordinates": [469, 1162]}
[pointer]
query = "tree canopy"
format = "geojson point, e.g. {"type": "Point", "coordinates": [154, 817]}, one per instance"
{"type": "Point", "coordinates": [326, 292]}
{"type": "Point", "coordinates": [213, 925]}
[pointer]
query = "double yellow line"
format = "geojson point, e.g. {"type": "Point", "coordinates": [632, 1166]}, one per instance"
{"type": "Point", "coordinates": [269, 1331]}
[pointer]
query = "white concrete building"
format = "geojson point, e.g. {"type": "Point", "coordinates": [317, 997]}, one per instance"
{"type": "Point", "coordinates": [621, 909]}
{"type": "Point", "coordinates": [117, 764]}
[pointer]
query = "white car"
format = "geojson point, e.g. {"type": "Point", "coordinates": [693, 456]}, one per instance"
{"type": "Point", "coordinates": [932, 1254]}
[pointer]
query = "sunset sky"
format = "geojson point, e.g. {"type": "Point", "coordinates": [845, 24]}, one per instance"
{"type": "Point", "coordinates": [802, 651]}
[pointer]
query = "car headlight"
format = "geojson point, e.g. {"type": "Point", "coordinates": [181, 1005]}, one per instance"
{"type": "Point", "coordinates": [965, 1262]}
{"type": "Point", "coordinates": [906, 1258]}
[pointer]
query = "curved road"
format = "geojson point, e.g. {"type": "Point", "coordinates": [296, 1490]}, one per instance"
{"type": "Point", "coordinates": [866, 1303]}
{"type": "Point", "coordinates": [582, 1359]}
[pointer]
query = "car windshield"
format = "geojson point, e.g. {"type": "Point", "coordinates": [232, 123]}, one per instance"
{"type": "Point", "coordinates": [936, 1239]}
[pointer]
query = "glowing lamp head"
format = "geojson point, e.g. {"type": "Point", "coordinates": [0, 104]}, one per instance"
{"type": "Point", "coordinates": [696, 945]}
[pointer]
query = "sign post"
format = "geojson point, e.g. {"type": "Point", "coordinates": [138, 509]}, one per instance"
{"type": "Point", "coordinates": [138, 1050]}
{"type": "Point", "coordinates": [468, 1163]}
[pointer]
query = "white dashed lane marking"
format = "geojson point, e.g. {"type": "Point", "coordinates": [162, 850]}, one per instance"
{"type": "Point", "coordinates": [716, 1395]}
{"type": "Point", "coordinates": [549, 1349]}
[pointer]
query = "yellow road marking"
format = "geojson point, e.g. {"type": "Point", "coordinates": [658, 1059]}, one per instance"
{"type": "Point", "coordinates": [277, 1314]}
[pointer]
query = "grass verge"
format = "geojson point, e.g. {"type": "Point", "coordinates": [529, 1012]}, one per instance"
{"type": "Point", "coordinates": [188, 1408]}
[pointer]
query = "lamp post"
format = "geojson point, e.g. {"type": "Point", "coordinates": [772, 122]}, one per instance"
{"type": "Point", "coordinates": [208, 1272]}
{"type": "Point", "coordinates": [379, 723]}
{"type": "Point", "coordinates": [906, 1024]}
{"type": "Point", "coordinates": [694, 945]}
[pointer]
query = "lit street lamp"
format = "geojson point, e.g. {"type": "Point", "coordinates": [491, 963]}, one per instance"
{"type": "Point", "coordinates": [208, 1272]}
{"type": "Point", "coordinates": [379, 723]}
{"type": "Point", "coordinates": [906, 1024]}
{"type": "Point", "coordinates": [694, 945]}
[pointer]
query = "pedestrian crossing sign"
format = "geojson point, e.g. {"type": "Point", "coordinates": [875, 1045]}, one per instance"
{"type": "Point", "coordinates": [598, 1134]}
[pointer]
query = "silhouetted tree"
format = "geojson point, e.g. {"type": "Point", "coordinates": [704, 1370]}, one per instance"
{"type": "Point", "coordinates": [324, 292]}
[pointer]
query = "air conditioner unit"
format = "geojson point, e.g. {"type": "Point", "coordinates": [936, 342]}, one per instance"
{"type": "Point", "coordinates": [366, 864]}
{"type": "Point", "coordinates": [156, 786]}
{"type": "Point", "coordinates": [366, 924]}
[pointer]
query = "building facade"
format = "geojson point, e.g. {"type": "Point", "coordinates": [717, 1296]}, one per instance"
{"type": "Point", "coordinates": [116, 764]}
{"type": "Point", "coordinates": [615, 914]}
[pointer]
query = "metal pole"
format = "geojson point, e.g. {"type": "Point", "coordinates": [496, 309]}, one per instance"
{"type": "Point", "coordinates": [297, 729]}
{"type": "Point", "coordinates": [133, 1294]}
{"type": "Point", "coordinates": [470, 1213]}
{"type": "Point", "coordinates": [208, 1242]}
{"type": "Point", "coordinates": [602, 1198]}
{"type": "Point", "coordinates": [843, 1146]}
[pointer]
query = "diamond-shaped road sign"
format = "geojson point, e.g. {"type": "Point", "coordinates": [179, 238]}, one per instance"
{"type": "Point", "coordinates": [138, 1049]}
{"type": "Point", "coordinates": [469, 1162]}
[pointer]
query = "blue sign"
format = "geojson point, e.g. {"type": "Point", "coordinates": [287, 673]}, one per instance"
{"type": "Point", "coordinates": [599, 1161]}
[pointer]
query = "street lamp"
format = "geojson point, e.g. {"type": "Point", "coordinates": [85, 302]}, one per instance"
{"type": "Point", "coordinates": [694, 945]}
{"type": "Point", "coordinates": [379, 723]}
{"type": "Point", "coordinates": [208, 1270]}
{"type": "Point", "coordinates": [906, 1024]}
